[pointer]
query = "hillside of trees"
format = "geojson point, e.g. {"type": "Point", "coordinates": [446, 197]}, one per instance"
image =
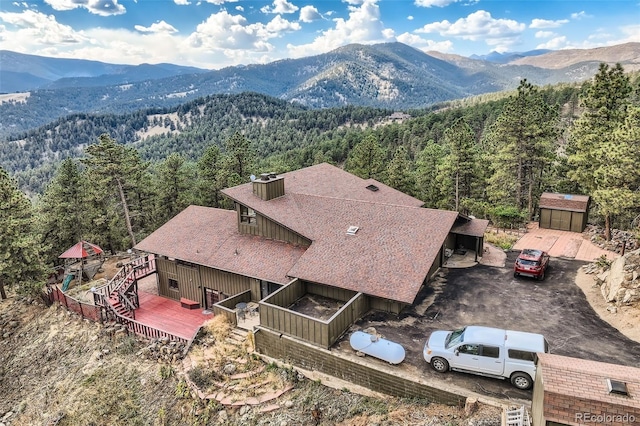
{"type": "Point", "coordinates": [489, 159]}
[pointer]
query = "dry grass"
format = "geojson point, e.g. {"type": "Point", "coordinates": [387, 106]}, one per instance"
{"type": "Point", "coordinates": [502, 239]}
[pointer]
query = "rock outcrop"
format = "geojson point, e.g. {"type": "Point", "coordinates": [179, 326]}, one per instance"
{"type": "Point", "coordinates": [620, 282]}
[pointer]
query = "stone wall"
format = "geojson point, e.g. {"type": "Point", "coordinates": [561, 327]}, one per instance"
{"type": "Point", "coordinates": [306, 356]}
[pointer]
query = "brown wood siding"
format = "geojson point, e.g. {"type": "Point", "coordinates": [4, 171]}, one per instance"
{"type": "Point", "coordinates": [563, 220]}
{"type": "Point", "coordinates": [346, 316]}
{"type": "Point", "coordinates": [267, 228]}
{"type": "Point", "coordinates": [227, 307]}
{"type": "Point", "coordinates": [268, 190]}
{"type": "Point", "coordinates": [314, 331]}
{"type": "Point", "coordinates": [188, 283]}
{"type": "Point", "coordinates": [223, 282]}
{"type": "Point", "coordinates": [545, 218]}
{"type": "Point", "coordinates": [386, 305]}
{"type": "Point", "coordinates": [335, 293]}
{"type": "Point", "coordinates": [577, 221]}
{"type": "Point", "coordinates": [166, 269]}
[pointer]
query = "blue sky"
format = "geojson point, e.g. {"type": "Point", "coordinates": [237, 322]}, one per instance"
{"type": "Point", "coordinates": [217, 33]}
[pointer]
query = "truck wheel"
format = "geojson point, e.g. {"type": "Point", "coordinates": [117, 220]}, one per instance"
{"type": "Point", "coordinates": [515, 275]}
{"type": "Point", "coordinates": [541, 276]}
{"type": "Point", "coordinates": [521, 381]}
{"type": "Point", "coordinates": [439, 364]}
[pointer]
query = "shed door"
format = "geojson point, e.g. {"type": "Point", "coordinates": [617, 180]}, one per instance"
{"type": "Point", "coordinates": [576, 221]}
{"type": "Point", "coordinates": [545, 218]}
{"type": "Point", "coordinates": [560, 220]}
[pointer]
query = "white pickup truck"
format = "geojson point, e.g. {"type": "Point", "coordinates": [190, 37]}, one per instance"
{"type": "Point", "coordinates": [487, 351]}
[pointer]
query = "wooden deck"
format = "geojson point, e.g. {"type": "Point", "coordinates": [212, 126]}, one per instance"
{"type": "Point", "coordinates": [169, 316]}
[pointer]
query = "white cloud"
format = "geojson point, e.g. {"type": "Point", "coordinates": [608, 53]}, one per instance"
{"type": "Point", "coordinates": [157, 27]}
{"type": "Point", "coordinates": [97, 7]}
{"type": "Point", "coordinates": [554, 44]}
{"type": "Point", "coordinates": [479, 25]}
{"type": "Point", "coordinates": [220, 2]}
{"type": "Point", "coordinates": [182, 2]}
{"type": "Point", "coordinates": [410, 18]}
{"type": "Point", "coordinates": [580, 15]}
{"type": "Point", "coordinates": [544, 34]}
{"type": "Point", "coordinates": [280, 6]}
{"type": "Point", "coordinates": [430, 3]}
{"type": "Point", "coordinates": [424, 44]}
{"type": "Point", "coordinates": [545, 23]}
{"type": "Point", "coordinates": [309, 14]}
{"type": "Point", "coordinates": [362, 26]}
{"type": "Point", "coordinates": [240, 8]}
{"type": "Point", "coordinates": [223, 31]}
{"type": "Point", "coordinates": [36, 29]}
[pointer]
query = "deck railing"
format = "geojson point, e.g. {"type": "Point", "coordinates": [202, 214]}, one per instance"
{"type": "Point", "coordinates": [130, 271]}
{"type": "Point", "coordinates": [137, 327]}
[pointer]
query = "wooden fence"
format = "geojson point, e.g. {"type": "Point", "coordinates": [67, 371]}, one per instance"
{"type": "Point", "coordinates": [227, 307]}
{"type": "Point", "coordinates": [276, 315]}
{"type": "Point", "coordinates": [85, 310]}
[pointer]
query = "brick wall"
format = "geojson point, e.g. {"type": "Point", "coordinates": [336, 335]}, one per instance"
{"type": "Point", "coordinates": [567, 409]}
{"type": "Point", "coordinates": [306, 356]}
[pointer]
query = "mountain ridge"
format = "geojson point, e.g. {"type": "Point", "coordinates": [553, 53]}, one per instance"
{"type": "Point", "coordinates": [389, 75]}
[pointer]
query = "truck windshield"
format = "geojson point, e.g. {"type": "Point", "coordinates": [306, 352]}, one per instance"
{"type": "Point", "coordinates": [454, 338]}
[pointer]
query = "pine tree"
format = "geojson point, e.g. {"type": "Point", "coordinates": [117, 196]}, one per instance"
{"type": "Point", "coordinates": [118, 170]}
{"type": "Point", "coordinates": [240, 157]}
{"type": "Point", "coordinates": [618, 174]}
{"type": "Point", "coordinates": [605, 101]}
{"type": "Point", "coordinates": [20, 261]}
{"type": "Point", "coordinates": [173, 187]}
{"type": "Point", "coordinates": [459, 168]}
{"type": "Point", "coordinates": [367, 159]}
{"type": "Point", "coordinates": [427, 165]}
{"type": "Point", "coordinates": [523, 137]}
{"type": "Point", "coordinates": [211, 177]}
{"type": "Point", "coordinates": [62, 218]}
{"type": "Point", "coordinates": [399, 174]}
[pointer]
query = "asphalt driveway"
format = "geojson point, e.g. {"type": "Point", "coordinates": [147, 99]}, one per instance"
{"type": "Point", "coordinates": [491, 296]}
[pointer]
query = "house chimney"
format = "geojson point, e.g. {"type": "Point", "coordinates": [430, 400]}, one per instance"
{"type": "Point", "coordinates": [269, 186]}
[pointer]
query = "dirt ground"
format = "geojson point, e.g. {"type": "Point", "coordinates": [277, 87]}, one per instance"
{"type": "Point", "coordinates": [626, 319]}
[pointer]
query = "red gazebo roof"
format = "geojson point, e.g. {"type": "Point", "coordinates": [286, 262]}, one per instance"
{"type": "Point", "coordinates": [81, 250]}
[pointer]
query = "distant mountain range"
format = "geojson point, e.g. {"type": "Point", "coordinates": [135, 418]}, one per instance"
{"type": "Point", "coordinates": [391, 75]}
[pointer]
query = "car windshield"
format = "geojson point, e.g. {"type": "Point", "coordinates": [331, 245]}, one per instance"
{"type": "Point", "coordinates": [454, 338]}
{"type": "Point", "coordinates": [528, 262]}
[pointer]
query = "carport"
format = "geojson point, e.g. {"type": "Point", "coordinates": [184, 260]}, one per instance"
{"type": "Point", "coordinates": [565, 212]}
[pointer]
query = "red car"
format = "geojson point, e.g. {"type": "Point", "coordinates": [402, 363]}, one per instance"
{"type": "Point", "coordinates": [531, 263]}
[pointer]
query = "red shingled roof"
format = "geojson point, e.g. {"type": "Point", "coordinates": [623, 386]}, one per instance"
{"type": "Point", "coordinates": [569, 202]}
{"type": "Point", "coordinates": [389, 256]}
{"type": "Point", "coordinates": [210, 237]}
{"type": "Point", "coordinates": [472, 227]}
{"type": "Point", "coordinates": [81, 250]}
{"type": "Point", "coordinates": [325, 180]}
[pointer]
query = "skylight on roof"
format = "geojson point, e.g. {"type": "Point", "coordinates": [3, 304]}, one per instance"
{"type": "Point", "coordinates": [617, 387]}
{"type": "Point", "coordinates": [352, 230]}
{"type": "Point", "coordinates": [372, 188]}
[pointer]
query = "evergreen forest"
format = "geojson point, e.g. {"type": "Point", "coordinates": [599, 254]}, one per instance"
{"type": "Point", "coordinates": [113, 179]}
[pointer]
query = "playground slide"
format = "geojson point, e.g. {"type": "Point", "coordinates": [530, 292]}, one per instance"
{"type": "Point", "coordinates": [67, 281]}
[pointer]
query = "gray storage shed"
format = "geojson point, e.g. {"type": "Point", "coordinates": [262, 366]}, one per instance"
{"type": "Point", "coordinates": [566, 212]}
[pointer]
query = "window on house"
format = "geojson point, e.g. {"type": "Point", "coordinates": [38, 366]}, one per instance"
{"type": "Point", "coordinates": [247, 215]}
{"type": "Point", "coordinates": [173, 284]}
